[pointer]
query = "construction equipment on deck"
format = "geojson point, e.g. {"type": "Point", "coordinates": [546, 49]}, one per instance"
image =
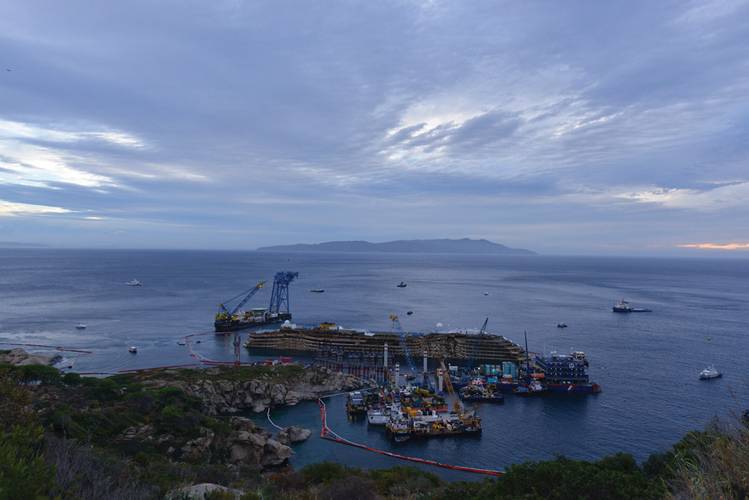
{"type": "Point", "coordinates": [229, 319]}
{"type": "Point", "coordinates": [446, 376]}
{"type": "Point", "coordinates": [224, 311]}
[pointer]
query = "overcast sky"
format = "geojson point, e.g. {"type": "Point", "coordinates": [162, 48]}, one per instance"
{"type": "Point", "coordinates": [564, 127]}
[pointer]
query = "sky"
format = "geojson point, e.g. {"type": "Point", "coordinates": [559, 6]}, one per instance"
{"type": "Point", "coordinates": [580, 127]}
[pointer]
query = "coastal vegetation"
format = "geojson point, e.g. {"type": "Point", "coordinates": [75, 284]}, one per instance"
{"type": "Point", "coordinates": [144, 435]}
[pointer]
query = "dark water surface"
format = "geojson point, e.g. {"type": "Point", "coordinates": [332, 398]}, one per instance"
{"type": "Point", "coordinates": [647, 364]}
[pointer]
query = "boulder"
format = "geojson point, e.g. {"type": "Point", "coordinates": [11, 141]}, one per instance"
{"type": "Point", "coordinates": [293, 434]}
{"type": "Point", "coordinates": [201, 491]}
{"type": "Point", "coordinates": [275, 453]}
{"type": "Point", "coordinates": [198, 448]}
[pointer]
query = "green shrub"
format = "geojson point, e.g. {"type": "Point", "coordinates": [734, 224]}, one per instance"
{"type": "Point", "coordinates": [39, 373]}
{"type": "Point", "coordinates": [325, 472]}
{"type": "Point", "coordinates": [105, 390]}
{"type": "Point", "coordinates": [403, 480]}
{"type": "Point", "coordinates": [71, 378]}
{"type": "Point", "coordinates": [23, 472]}
{"type": "Point", "coordinates": [615, 477]}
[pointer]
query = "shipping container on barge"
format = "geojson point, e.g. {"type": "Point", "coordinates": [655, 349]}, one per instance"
{"type": "Point", "coordinates": [566, 373]}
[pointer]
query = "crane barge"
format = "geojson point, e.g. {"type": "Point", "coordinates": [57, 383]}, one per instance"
{"type": "Point", "coordinates": [230, 317]}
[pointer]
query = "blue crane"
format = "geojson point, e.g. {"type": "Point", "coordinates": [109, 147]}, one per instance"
{"type": "Point", "coordinates": [223, 309]}
{"type": "Point", "coordinates": [404, 344]}
{"type": "Point", "coordinates": [279, 297]}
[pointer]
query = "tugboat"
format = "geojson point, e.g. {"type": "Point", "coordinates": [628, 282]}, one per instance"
{"type": "Point", "coordinates": [355, 406]}
{"type": "Point", "coordinates": [625, 307]}
{"type": "Point", "coordinates": [710, 373]}
{"type": "Point", "coordinates": [402, 284]}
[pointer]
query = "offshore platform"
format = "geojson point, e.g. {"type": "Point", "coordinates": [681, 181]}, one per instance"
{"type": "Point", "coordinates": [230, 316]}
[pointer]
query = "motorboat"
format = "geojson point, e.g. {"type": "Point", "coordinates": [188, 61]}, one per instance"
{"type": "Point", "coordinates": [622, 307]}
{"type": "Point", "coordinates": [710, 373]}
{"type": "Point", "coordinates": [402, 284]}
{"type": "Point", "coordinates": [317, 290]}
{"type": "Point", "coordinates": [133, 282]}
{"type": "Point", "coordinates": [80, 326]}
{"type": "Point", "coordinates": [561, 325]}
{"type": "Point", "coordinates": [625, 307]}
{"type": "Point", "coordinates": [132, 349]}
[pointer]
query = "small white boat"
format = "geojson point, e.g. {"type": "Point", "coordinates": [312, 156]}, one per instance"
{"type": "Point", "coordinates": [378, 417]}
{"type": "Point", "coordinates": [80, 326]}
{"type": "Point", "coordinates": [709, 373]}
{"type": "Point", "coordinates": [132, 349]}
{"type": "Point", "coordinates": [134, 282]}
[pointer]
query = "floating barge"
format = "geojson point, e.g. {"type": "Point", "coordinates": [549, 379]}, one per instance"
{"type": "Point", "coordinates": [230, 316]}
{"type": "Point", "coordinates": [454, 346]}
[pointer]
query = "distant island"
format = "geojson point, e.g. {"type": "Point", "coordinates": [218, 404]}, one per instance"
{"type": "Point", "coordinates": [462, 246]}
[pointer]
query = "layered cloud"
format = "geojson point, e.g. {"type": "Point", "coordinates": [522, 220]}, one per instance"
{"type": "Point", "coordinates": [9, 209]}
{"type": "Point", "coordinates": [261, 120]}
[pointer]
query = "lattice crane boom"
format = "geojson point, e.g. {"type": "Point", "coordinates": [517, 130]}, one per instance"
{"type": "Point", "coordinates": [404, 344]}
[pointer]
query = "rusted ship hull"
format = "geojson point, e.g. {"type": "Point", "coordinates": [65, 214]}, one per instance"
{"type": "Point", "coordinates": [453, 346]}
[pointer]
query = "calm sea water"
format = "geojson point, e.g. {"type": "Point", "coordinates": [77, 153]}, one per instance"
{"type": "Point", "coordinates": [647, 364]}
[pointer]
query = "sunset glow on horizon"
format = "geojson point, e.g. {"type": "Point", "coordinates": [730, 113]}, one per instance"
{"type": "Point", "coordinates": [716, 246]}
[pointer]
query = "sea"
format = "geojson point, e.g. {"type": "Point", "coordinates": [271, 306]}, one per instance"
{"type": "Point", "coordinates": [647, 363]}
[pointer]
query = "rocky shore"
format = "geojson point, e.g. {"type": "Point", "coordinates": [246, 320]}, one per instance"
{"type": "Point", "coordinates": [222, 395]}
{"type": "Point", "coordinates": [189, 416]}
{"type": "Point", "coordinates": [19, 357]}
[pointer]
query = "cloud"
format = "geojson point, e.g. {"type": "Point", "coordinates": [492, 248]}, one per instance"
{"type": "Point", "coordinates": [10, 209]}
{"type": "Point", "coordinates": [731, 195]}
{"type": "Point", "coordinates": [544, 113]}
{"type": "Point", "coordinates": [716, 246]}
{"type": "Point", "coordinates": [38, 156]}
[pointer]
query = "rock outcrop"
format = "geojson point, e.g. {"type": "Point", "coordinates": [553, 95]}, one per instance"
{"type": "Point", "coordinates": [20, 357]}
{"type": "Point", "coordinates": [293, 434]}
{"type": "Point", "coordinates": [202, 491]}
{"type": "Point", "coordinates": [246, 444]}
{"type": "Point", "coordinates": [231, 396]}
